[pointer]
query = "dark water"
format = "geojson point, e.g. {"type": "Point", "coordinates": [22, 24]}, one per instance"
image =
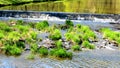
{"type": "Point", "coordinates": [81, 6]}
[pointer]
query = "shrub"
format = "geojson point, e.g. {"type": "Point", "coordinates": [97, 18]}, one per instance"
{"type": "Point", "coordinates": [88, 45]}
{"type": "Point", "coordinates": [43, 51]}
{"type": "Point", "coordinates": [76, 48]}
{"type": "Point", "coordinates": [41, 25]}
{"type": "Point", "coordinates": [60, 53]}
{"type": "Point", "coordinates": [56, 35]}
{"type": "Point", "coordinates": [69, 23]}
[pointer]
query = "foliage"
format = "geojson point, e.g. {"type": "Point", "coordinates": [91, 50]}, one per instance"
{"type": "Point", "coordinates": [31, 56]}
{"type": "Point", "coordinates": [42, 25]}
{"type": "Point", "coordinates": [58, 44]}
{"type": "Point", "coordinates": [12, 50]}
{"type": "Point", "coordinates": [60, 53]}
{"type": "Point", "coordinates": [43, 51]}
{"type": "Point", "coordinates": [34, 48]}
{"type": "Point", "coordinates": [88, 45]}
{"type": "Point", "coordinates": [55, 35]}
{"type": "Point", "coordinates": [20, 22]}
{"type": "Point", "coordinates": [69, 23]}
{"type": "Point", "coordinates": [76, 48]}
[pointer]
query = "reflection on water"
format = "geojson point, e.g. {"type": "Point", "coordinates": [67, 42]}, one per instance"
{"type": "Point", "coordinates": [82, 6]}
{"type": "Point", "coordinates": [87, 59]}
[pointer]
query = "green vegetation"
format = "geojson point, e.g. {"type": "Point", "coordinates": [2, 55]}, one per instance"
{"type": "Point", "coordinates": [55, 35]}
{"type": "Point", "coordinates": [60, 53]}
{"type": "Point", "coordinates": [43, 51]}
{"type": "Point", "coordinates": [58, 44]}
{"type": "Point", "coordinates": [41, 25]}
{"type": "Point", "coordinates": [15, 38]}
{"type": "Point", "coordinates": [112, 36]}
{"type": "Point", "coordinates": [9, 2]}
{"type": "Point", "coordinates": [31, 56]}
{"type": "Point", "coordinates": [76, 48]}
{"type": "Point", "coordinates": [88, 45]}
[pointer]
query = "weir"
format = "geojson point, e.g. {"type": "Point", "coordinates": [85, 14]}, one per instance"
{"type": "Point", "coordinates": [61, 15]}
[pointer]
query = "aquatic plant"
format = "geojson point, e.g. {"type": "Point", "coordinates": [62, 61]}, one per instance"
{"type": "Point", "coordinates": [43, 51]}
{"type": "Point", "coordinates": [58, 44]}
{"type": "Point", "coordinates": [1, 35]}
{"type": "Point", "coordinates": [12, 50]}
{"type": "Point", "coordinates": [41, 25]}
{"type": "Point", "coordinates": [31, 56]}
{"type": "Point", "coordinates": [60, 53]}
{"type": "Point", "coordinates": [33, 35]}
{"type": "Point", "coordinates": [76, 48]}
{"type": "Point", "coordinates": [20, 22]}
{"type": "Point", "coordinates": [88, 45]}
{"type": "Point", "coordinates": [55, 35]}
{"type": "Point", "coordinates": [14, 36]}
{"type": "Point", "coordinates": [34, 48]}
{"type": "Point", "coordinates": [22, 28]}
{"type": "Point", "coordinates": [69, 23]}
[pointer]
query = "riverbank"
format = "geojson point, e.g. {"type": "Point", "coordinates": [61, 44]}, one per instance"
{"type": "Point", "coordinates": [19, 2]}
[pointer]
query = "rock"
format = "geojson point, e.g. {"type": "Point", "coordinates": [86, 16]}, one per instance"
{"type": "Point", "coordinates": [47, 43]}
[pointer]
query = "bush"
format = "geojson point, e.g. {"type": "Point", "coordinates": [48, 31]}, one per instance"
{"type": "Point", "coordinates": [60, 53]}
{"type": "Point", "coordinates": [76, 48]}
{"type": "Point", "coordinates": [42, 25]}
{"type": "Point", "coordinates": [88, 45]}
{"type": "Point", "coordinates": [56, 35]}
{"type": "Point", "coordinates": [43, 51]}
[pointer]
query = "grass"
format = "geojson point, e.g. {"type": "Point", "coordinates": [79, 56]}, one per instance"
{"type": "Point", "coordinates": [88, 45]}
{"type": "Point", "coordinates": [60, 53]}
{"type": "Point", "coordinates": [55, 35]}
{"type": "Point", "coordinates": [112, 36]}
{"type": "Point", "coordinates": [76, 48]}
{"type": "Point", "coordinates": [43, 51]}
{"type": "Point", "coordinates": [13, 38]}
{"type": "Point", "coordinates": [42, 25]}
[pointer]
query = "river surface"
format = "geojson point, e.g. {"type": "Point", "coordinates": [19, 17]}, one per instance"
{"type": "Point", "coordinates": [98, 58]}
{"type": "Point", "coordinates": [101, 58]}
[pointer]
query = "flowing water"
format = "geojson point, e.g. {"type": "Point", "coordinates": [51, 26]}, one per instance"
{"type": "Point", "coordinates": [98, 58]}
